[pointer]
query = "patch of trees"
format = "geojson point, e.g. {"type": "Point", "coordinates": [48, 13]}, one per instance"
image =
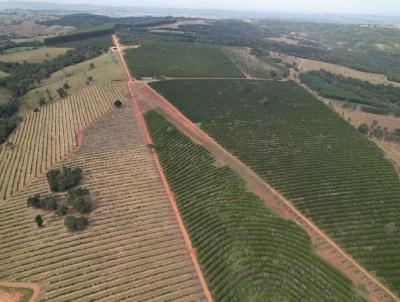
{"type": "Point", "coordinates": [64, 179]}
{"type": "Point", "coordinates": [79, 36]}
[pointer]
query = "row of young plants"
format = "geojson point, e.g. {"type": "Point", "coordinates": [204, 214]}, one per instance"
{"type": "Point", "coordinates": [246, 252]}
{"type": "Point", "coordinates": [64, 180]}
{"type": "Point", "coordinates": [325, 167]}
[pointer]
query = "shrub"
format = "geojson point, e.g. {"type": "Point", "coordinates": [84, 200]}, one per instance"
{"type": "Point", "coordinates": [82, 222]}
{"type": "Point", "coordinates": [65, 179]}
{"type": "Point", "coordinates": [118, 103]}
{"type": "Point", "coordinates": [61, 211]}
{"type": "Point", "coordinates": [75, 224]}
{"type": "Point", "coordinates": [34, 201]}
{"type": "Point", "coordinates": [39, 221]}
{"type": "Point", "coordinates": [363, 128]}
{"type": "Point", "coordinates": [81, 204]}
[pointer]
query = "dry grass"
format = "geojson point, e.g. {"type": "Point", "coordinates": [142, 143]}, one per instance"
{"type": "Point", "coordinates": [108, 68]}
{"type": "Point", "coordinates": [132, 250]}
{"type": "Point", "coordinates": [33, 56]}
{"type": "Point", "coordinates": [284, 39]}
{"type": "Point", "coordinates": [46, 137]}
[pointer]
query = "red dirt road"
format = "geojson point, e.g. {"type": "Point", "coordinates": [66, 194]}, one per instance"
{"type": "Point", "coordinates": [142, 124]}
{"type": "Point", "coordinates": [332, 252]}
{"type": "Point", "coordinates": [33, 286]}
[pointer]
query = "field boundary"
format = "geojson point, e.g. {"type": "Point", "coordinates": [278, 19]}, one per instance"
{"type": "Point", "coordinates": [274, 199]}
{"type": "Point", "coordinates": [142, 125]}
{"type": "Point", "coordinates": [33, 286]}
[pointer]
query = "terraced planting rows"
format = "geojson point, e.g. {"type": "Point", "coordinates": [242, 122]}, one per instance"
{"type": "Point", "coordinates": [246, 252]}
{"type": "Point", "coordinates": [132, 250]}
{"type": "Point", "coordinates": [46, 137]}
{"type": "Point", "coordinates": [248, 63]}
{"type": "Point", "coordinates": [335, 176]}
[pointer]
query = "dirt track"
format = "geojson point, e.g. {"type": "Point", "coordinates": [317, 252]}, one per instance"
{"type": "Point", "coordinates": [331, 251]}
{"type": "Point", "coordinates": [142, 124]}
{"type": "Point", "coordinates": [33, 286]}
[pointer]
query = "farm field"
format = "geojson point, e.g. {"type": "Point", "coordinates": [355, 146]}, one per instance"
{"type": "Point", "coordinates": [132, 249]}
{"type": "Point", "coordinates": [250, 65]}
{"type": "Point", "coordinates": [302, 149]}
{"type": "Point", "coordinates": [107, 69]}
{"type": "Point", "coordinates": [37, 55]}
{"type": "Point", "coordinates": [179, 59]}
{"type": "Point", "coordinates": [44, 138]}
{"type": "Point", "coordinates": [236, 237]}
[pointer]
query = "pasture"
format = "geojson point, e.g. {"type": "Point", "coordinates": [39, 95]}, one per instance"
{"type": "Point", "coordinates": [107, 69]}
{"type": "Point", "coordinates": [132, 249]}
{"type": "Point", "coordinates": [179, 59]}
{"type": "Point", "coordinates": [329, 171]}
{"type": "Point", "coordinates": [37, 55]}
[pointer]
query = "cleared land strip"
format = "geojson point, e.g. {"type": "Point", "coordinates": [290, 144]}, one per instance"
{"type": "Point", "coordinates": [331, 252]}
{"type": "Point", "coordinates": [132, 250]}
{"type": "Point", "coordinates": [141, 122]}
{"type": "Point", "coordinates": [46, 137]}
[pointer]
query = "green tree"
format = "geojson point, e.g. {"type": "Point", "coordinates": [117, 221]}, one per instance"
{"type": "Point", "coordinates": [70, 223]}
{"type": "Point", "coordinates": [34, 201]}
{"type": "Point", "coordinates": [363, 128]}
{"type": "Point", "coordinates": [39, 220]}
{"type": "Point", "coordinates": [91, 65]}
{"type": "Point", "coordinates": [61, 92]}
{"type": "Point", "coordinates": [66, 86]}
{"type": "Point", "coordinates": [118, 103]}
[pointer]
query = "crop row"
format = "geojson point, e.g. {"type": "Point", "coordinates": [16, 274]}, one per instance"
{"type": "Point", "coordinates": [246, 252]}
{"type": "Point", "coordinates": [132, 250]}
{"type": "Point", "coordinates": [46, 137]}
{"type": "Point", "coordinates": [335, 176]}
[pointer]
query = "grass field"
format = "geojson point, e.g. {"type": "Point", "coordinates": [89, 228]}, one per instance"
{"type": "Point", "coordinates": [132, 249]}
{"type": "Point", "coordinates": [302, 149]}
{"type": "Point", "coordinates": [179, 59]}
{"type": "Point", "coordinates": [37, 55]}
{"type": "Point", "coordinates": [46, 137]}
{"type": "Point", "coordinates": [10, 293]}
{"type": "Point", "coordinates": [246, 252]}
{"type": "Point", "coordinates": [107, 68]}
{"type": "Point", "coordinates": [18, 49]}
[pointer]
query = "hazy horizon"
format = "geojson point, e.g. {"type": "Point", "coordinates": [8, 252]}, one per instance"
{"type": "Point", "coordinates": [346, 7]}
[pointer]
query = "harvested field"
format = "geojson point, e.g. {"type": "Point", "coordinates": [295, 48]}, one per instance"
{"type": "Point", "coordinates": [37, 55]}
{"type": "Point", "coordinates": [132, 250]}
{"type": "Point", "coordinates": [248, 63]}
{"type": "Point", "coordinates": [44, 138]}
{"type": "Point", "coordinates": [247, 253]}
{"type": "Point", "coordinates": [302, 149]}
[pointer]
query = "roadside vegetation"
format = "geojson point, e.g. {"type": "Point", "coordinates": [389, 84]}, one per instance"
{"type": "Point", "coordinates": [331, 173]}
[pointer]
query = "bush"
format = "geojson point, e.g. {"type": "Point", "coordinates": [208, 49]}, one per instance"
{"type": "Point", "coordinates": [39, 221]}
{"type": "Point", "coordinates": [48, 203]}
{"type": "Point", "coordinates": [78, 192]}
{"type": "Point", "coordinates": [65, 179]}
{"type": "Point", "coordinates": [363, 128]}
{"type": "Point", "coordinates": [118, 103]}
{"type": "Point", "coordinates": [75, 224]}
{"type": "Point", "coordinates": [81, 204]}
{"type": "Point", "coordinates": [34, 201]}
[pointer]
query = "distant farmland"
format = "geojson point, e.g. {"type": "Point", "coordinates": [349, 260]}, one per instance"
{"type": "Point", "coordinates": [37, 55]}
{"type": "Point", "coordinates": [179, 59]}
{"type": "Point", "coordinates": [327, 169]}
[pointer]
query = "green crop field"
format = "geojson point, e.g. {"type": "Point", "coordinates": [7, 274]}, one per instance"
{"type": "Point", "coordinates": [179, 59]}
{"type": "Point", "coordinates": [325, 167]}
{"type": "Point", "coordinates": [246, 252]}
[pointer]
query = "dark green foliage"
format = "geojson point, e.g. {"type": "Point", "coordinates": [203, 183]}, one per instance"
{"type": "Point", "coordinates": [34, 201]}
{"type": "Point", "coordinates": [363, 128]}
{"type": "Point", "coordinates": [179, 59]}
{"type": "Point", "coordinates": [81, 204]}
{"type": "Point", "coordinates": [39, 221]}
{"type": "Point", "coordinates": [61, 92]}
{"type": "Point", "coordinates": [61, 210]}
{"type": "Point", "coordinates": [75, 224]}
{"type": "Point", "coordinates": [78, 192]}
{"type": "Point", "coordinates": [7, 125]}
{"type": "Point", "coordinates": [101, 42]}
{"type": "Point", "coordinates": [65, 179]}
{"type": "Point", "coordinates": [48, 203]}
{"type": "Point", "coordinates": [381, 99]}
{"type": "Point", "coordinates": [81, 36]}
{"type": "Point", "coordinates": [118, 103]}
{"type": "Point", "coordinates": [241, 246]}
{"type": "Point", "coordinates": [333, 174]}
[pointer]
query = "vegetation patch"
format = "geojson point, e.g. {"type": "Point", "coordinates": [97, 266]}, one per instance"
{"type": "Point", "coordinates": [246, 252]}
{"type": "Point", "coordinates": [179, 59]}
{"type": "Point", "coordinates": [20, 293]}
{"type": "Point", "coordinates": [64, 179]}
{"type": "Point", "coordinates": [334, 175]}
{"type": "Point", "coordinates": [37, 55]}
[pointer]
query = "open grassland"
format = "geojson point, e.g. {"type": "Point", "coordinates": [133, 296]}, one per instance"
{"type": "Point", "coordinates": [335, 176]}
{"type": "Point", "coordinates": [248, 63]}
{"type": "Point", "coordinates": [179, 59]}
{"type": "Point", "coordinates": [15, 294]}
{"type": "Point", "coordinates": [132, 250]}
{"type": "Point", "coordinates": [37, 55]}
{"type": "Point", "coordinates": [46, 137]}
{"type": "Point", "coordinates": [246, 252]}
{"type": "Point", "coordinates": [107, 69]}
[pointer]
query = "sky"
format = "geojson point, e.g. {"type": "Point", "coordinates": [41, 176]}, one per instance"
{"type": "Point", "coordinates": [364, 7]}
